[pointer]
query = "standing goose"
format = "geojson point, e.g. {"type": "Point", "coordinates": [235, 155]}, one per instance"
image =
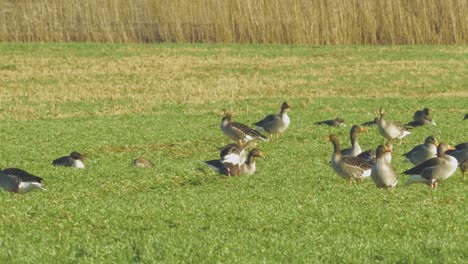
{"type": "Point", "coordinates": [75, 159]}
{"type": "Point", "coordinates": [434, 170]}
{"type": "Point", "coordinates": [348, 167]}
{"type": "Point", "coordinates": [337, 122]}
{"type": "Point", "coordinates": [389, 129]}
{"type": "Point", "coordinates": [464, 168]}
{"type": "Point", "coordinates": [232, 156]}
{"type": "Point", "coordinates": [237, 131]}
{"type": "Point", "coordinates": [355, 148]}
{"type": "Point", "coordinates": [423, 152]}
{"type": "Point", "coordinates": [460, 152]}
{"type": "Point", "coordinates": [275, 124]}
{"type": "Point", "coordinates": [383, 173]}
{"type": "Point", "coordinates": [19, 181]}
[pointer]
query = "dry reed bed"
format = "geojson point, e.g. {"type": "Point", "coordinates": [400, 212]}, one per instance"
{"type": "Point", "coordinates": [237, 21]}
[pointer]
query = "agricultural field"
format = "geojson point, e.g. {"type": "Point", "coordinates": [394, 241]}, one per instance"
{"type": "Point", "coordinates": [115, 102]}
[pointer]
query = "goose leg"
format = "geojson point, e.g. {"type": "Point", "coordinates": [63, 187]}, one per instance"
{"type": "Point", "coordinates": [238, 170]}
{"type": "Point", "coordinates": [350, 182]}
{"type": "Point", "coordinates": [228, 171]}
{"type": "Point", "coordinates": [277, 136]}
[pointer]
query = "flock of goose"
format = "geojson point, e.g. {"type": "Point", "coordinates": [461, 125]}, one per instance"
{"type": "Point", "coordinates": [433, 162]}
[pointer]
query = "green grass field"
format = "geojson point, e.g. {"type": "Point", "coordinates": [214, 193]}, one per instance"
{"type": "Point", "coordinates": [116, 102]}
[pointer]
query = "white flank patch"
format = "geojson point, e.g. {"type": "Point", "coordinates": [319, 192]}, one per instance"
{"type": "Point", "coordinates": [25, 187]}
{"type": "Point", "coordinates": [79, 164]}
{"type": "Point", "coordinates": [259, 129]}
{"type": "Point", "coordinates": [232, 159]}
{"type": "Point", "coordinates": [405, 133]}
{"type": "Point", "coordinates": [366, 173]}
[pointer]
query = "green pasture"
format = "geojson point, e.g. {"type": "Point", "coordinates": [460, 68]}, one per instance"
{"type": "Point", "coordinates": [115, 102]}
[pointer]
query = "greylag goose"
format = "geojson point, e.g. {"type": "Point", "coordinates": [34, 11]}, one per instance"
{"type": "Point", "coordinates": [421, 114]}
{"type": "Point", "coordinates": [237, 131]}
{"type": "Point", "coordinates": [19, 181]}
{"type": "Point", "coordinates": [355, 147]}
{"type": "Point", "coordinates": [232, 156]}
{"type": "Point", "coordinates": [383, 173]}
{"type": "Point", "coordinates": [75, 159]}
{"type": "Point", "coordinates": [389, 129]}
{"type": "Point", "coordinates": [434, 170]}
{"type": "Point", "coordinates": [464, 168]}
{"type": "Point", "coordinates": [421, 118]}
{"type": "Point", "coordinates": [348, 167]}
{"type": "Point", "coordinates": [275, 124]}
{"type": "Point", "coordinates": [460, 152]}
{"type": "Point", "coordinates": [422, 152]}
{"type": "Point", "coordinates": [249, 167]}
{"type": "Point", "coordinates": [337, 122]}
{"type": "Point", "coordinates": [142, 162]}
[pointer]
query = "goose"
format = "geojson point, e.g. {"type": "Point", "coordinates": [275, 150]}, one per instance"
{"type": "Point", "coordinates": [248, 168]}
{"type": "Point", "coordinates": [369, 123]}
{"type": "Point", "coordinates": [355, 147]}
{"type": "Point", "coordinates": [465, 117]}
{"type": "Point", "coordinates": [275, 124]}
{"type": "Point", "coordinates": [237, 131]}
{"type": "Point", "coordinates": [19, 181]}
{"type": "Point", "coordinates": [421, 118]}
{"type": "Point", "coordinates": [337, 122]}
{"type": "Point", "coordinates": [348, 167]}
{"type": "Point", "coordinates": [421, 114]}
{"type": "Point", "coordinates": [142, 162]}
{"type": "Point", "coordinates": [422, 152]}
{"type": "Point", "coordinates": [382, 173]}
{"type": "Point", "coordinates": [433, 170]}
{"type": "Point", "coordinates": [232, 156]}
{"type": "Point", "coordinates": [460, 152]}
{"type": "Point", "coordinates": [464, 168]}
{"type": "Point", "coordinates": [75, 159]}
{"type": "Point", "coordinates": [389, 129]}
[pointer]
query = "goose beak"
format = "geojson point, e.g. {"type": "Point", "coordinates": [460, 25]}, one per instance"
{"type": "Point", "coordinates": [450, 148]}
{"type": "Point", "coordinates": [363, 130]}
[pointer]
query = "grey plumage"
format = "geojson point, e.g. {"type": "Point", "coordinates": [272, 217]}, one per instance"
{"type": "Point", "coordinates": [348, 167]}
{"type": "Point", "coordinates": [422, 152]}
{"type": "Point", "coordinates": [337, 122]}
{"type": "Point", "coordinates": [382, 173]}
{"type": "Point", "coordinates": [19, 181]}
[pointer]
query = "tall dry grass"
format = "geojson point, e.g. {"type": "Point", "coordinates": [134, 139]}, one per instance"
{"type": "Point", "coordinates": [237, 21]}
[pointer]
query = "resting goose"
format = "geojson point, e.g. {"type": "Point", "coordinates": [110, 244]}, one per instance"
{"type": "Point", "coordinates": [355, 148]}
{"type": "Point", "coordinates": [382, 173]}
{"type": "Point", "coordinates": [434, 170]}
{"type": "Point", "coordinates": [421, 114]}
{"type": "Point", "coordinates": [232, 156]}
{"type": "Point", "coordinates": [422, 152]}
{"type": "Point", "coordinates": [337, 122]}
{"type": "Point", "coordinates": [348, 167]}
{"type": "Point", "coordinates": [460, 152]}
{"type": "Point", "coordinates": [369, 123]}
{"type": "Point", "coordinates": [142, 162]}
{"type": "Point", "coordinates": [275, 124]}
{"type": "Point", "coordinates": [389, 129]}
{"type": "Point", "coordinates": [237, 131]}
{"type": "Point", "coordinates": [75, 159]}
{"type": "Point", "coordinates": [19, 181]}
{"type": "Point", "coordinates": [464, 168]}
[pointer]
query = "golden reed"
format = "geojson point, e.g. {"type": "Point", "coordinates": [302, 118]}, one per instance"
{"type": "Point", "coordinates": [237, 21]}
